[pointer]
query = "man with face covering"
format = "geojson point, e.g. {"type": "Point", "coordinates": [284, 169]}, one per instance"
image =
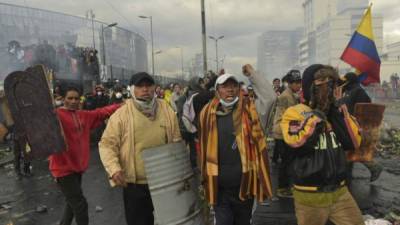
{"type": "Point", "coordinates": [143, 122]}
{"type": "Point", "coordinates": [318, 132]}
{"type": "Point", "coordinates": [117, 96]}
{"type": "Point", "coordinates": [234, 158]}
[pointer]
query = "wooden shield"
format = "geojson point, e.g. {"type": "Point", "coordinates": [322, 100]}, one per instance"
{"type": "Point", "coordinates": [369, 116]}
{"type": "Point", "coordinates": [32, 108]}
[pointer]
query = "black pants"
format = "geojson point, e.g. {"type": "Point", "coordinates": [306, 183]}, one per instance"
{"type": "Point", "coordinates": [190, 140]}
{"type": "Point", "coordinates": [138, 205]}
{"type": "Point", "coordinates": [76, 204]}
{"type": "Point", "coordinates": [20, 153]}
{"type": "Point", "coordinates": [277, 154]}
{"type": "Point", "coordinates": [230, 210]}
{"type": "Point", "coordinates": [284, 177]}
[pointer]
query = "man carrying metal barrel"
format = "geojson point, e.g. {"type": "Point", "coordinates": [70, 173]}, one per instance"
{"type": "Point", "coordinates": [143, 122]}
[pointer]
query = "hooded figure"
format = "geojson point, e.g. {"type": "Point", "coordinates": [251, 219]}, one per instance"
{"type": "Point", "coordinates": [353, 92]}
{"type": "Point", "coordinates": [195, 85]}
{"type": "Point", "coordinates": [318, 133]}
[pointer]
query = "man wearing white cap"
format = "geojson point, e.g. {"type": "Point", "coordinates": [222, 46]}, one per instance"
{"type": "Point", "coordinates": [234, 159]}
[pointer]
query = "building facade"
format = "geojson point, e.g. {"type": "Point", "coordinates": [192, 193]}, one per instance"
{"type": "Point", "coordinates": [327, 34]}
{"type": "Point", "coordinates": [278, 52]}
{"type": "Point", "coordinates": [124, 50]}
{"type": "Point", "coordinates": [334, 34]}
{"type": "Point", "coordinates": [393, 51]}
{"type": "Point", "coordinates": [390, 61]}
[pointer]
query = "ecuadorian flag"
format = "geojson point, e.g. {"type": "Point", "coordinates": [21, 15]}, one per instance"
{"type": "Point", "coordinates": [361, 51]}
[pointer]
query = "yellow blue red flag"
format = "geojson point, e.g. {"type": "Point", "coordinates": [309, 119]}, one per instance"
{"type": "Point", "coordinates": [361, 52]}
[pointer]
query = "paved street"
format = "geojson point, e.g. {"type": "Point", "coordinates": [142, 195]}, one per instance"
{"type": "Point", "coordinates": [19, 200]}
{"type": "Point", "coordinates": [26, 195]}
{"type": "Point", "coordinates": [378, 198]}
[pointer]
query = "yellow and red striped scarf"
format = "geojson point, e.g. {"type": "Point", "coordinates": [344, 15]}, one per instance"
{"type": "Point", "coordinates": [252, 146]}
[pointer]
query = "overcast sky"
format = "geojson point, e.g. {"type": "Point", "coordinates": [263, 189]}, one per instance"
{"type": "Point", "coordinates": [177, 24]}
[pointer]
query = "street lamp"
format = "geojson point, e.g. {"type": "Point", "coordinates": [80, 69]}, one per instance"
{"type": "Point", "coordinates": [181, 51]}
{"type": "Point", "coordinates": [181, 60]}
{"type": "Point", "coordinates": [152, 40]}
{"type": "Point", "coordinates": [216, 48]}
{"type": "Point", "coordinates": [103, 43]}
{"type": "Point", "coordinates": [91, 15]}
{"type": "Point", "coordinates": [103, 39]}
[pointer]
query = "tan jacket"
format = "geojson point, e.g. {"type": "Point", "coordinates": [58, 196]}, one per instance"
{"type": "Point", "coordinates": [284, 101]}
{"type": "Point", "coordinates": [117, 143]}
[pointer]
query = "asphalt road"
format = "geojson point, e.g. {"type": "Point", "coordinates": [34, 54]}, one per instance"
{"type": "Point", "coordinates": [19, 199]}
{"type": "Point", "coordinates": [26, 195]}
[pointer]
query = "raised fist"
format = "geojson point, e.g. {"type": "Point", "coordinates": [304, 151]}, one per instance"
{"type": "Point", "coordinates": [248, 70]}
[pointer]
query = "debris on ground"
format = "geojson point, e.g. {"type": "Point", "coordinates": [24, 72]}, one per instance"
{"type": "Point", "coordinates": [5, 206]}
{"type": "Point", "coordinates": [9, 166]}
{"type": "Point", "coordinates": [41, 209]}
{"type": "Point", "coordinates": [394, 217]}
{"type": "Point", "coordinates": [377, 222]}
{"type": "Point", "coordinates": [370, 220]}
{"type": "Point", "coordinates": [389, 142]}
{"type": "Point", "coordinates": [99, 209]}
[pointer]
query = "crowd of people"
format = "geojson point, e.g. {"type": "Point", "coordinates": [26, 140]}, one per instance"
{"type": "Point", "coordinates": [62, 58]}
{"type": "Point", "coordinates": [225, 124]}
{"type": "Point", "coordinates": [387, 90]}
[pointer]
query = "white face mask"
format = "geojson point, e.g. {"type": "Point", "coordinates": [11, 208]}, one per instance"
{"type": "Point", "coordinates": [99, 93]}
{"type": "Point", "coordinates": [229, 104]}
{"type": "Point", "coordinates": [58, 102]}
{"type": "Point", "coordinates": [118, 95]}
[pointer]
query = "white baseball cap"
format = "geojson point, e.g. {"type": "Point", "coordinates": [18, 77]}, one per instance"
{"type": "Point", "coordinates": [223, 78]}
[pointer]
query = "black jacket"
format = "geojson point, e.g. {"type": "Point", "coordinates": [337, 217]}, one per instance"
{"type": "Point", "coordinates": [353, 94]}
{"type": "Point", "coordinates": [320, 159]}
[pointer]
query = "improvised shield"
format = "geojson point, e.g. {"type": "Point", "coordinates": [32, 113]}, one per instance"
{"type": "Point", "coordinates": [31, 106]}
{"type": "Point", "coordinates": [369, 117]}
{"type": "Point", "coordinates": [172, 184]}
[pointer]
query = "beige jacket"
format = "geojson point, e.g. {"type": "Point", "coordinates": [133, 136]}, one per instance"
{"type": "Point", "coordinates": [117, 143]}
{"type": "Point", "coordinates": [284, 101]}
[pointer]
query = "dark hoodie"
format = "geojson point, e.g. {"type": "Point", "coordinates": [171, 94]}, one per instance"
{"type": "Point", "coordinates": [204, 96]}
{"type": "Point", "coordinates": [318, 162]}
{"type": "Point", "coordinates": [354, 93]}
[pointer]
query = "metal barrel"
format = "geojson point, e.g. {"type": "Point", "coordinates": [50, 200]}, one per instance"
{"type": "Point", "coordinates": [173, 186]}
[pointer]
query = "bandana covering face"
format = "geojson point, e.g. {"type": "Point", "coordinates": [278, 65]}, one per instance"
{"type": "Point", "coordinates": [322, 96]}
{"type": "Point", "coordinates": [147, 107]}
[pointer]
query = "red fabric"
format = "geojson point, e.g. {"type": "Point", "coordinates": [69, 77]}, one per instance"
{"type": "Point", "coordinates": [364, 64]}
{"type": "Point", "coordinates": [76, 126]}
